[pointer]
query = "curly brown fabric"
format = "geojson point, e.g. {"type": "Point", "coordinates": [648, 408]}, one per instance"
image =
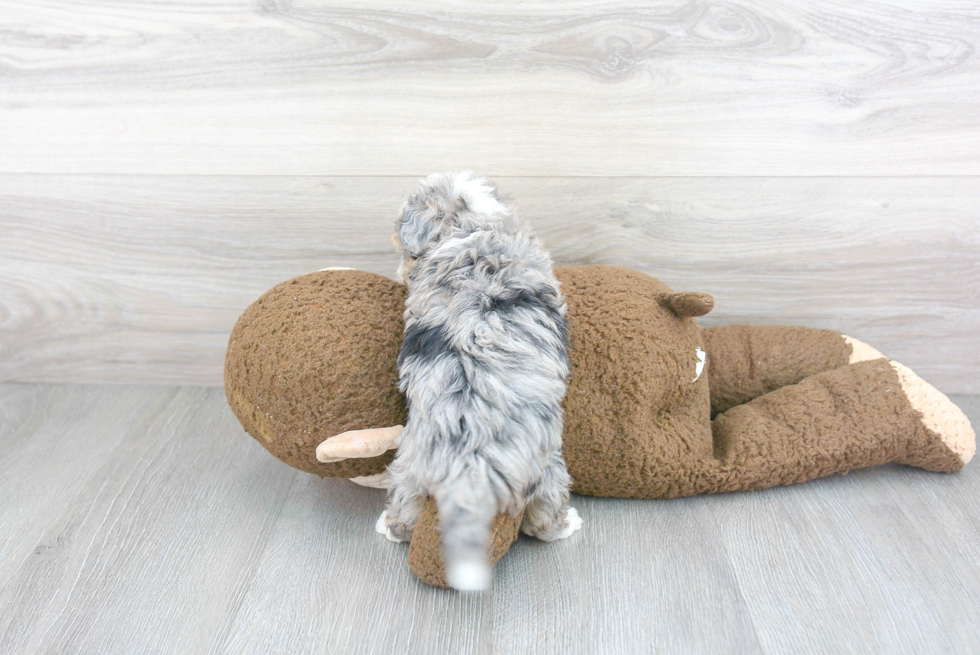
{"type": "Point", "coordinates": [316, 356]}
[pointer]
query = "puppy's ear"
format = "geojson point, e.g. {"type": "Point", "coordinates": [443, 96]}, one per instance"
{"type": "Point", "coordinates": [418, 225]}
{"type": "Point", "coordinates": [436, 205]}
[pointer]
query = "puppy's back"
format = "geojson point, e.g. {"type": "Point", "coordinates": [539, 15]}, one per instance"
{"type": "Point", "coordinates": [483, 364]}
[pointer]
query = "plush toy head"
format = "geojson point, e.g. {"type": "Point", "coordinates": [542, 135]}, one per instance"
{"type": "Point", "coordinates": [314, 357]}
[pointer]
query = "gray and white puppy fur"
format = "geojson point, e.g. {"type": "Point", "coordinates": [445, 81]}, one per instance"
{"type": "Point", "coordinates": [484, 366]}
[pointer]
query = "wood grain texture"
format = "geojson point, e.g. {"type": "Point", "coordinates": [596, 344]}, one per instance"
{"type": "Point", "coordinates": [160, 542]}
{"type": "Point", "coordinates": [675, 87]}
{"type": "Point", "coordinates": [39, 474]}
{"type": "Point", "coordinates": [877, 554]}
{"type": "Point", "coordinates": [163, 164]}
{"type": "Point", "coordinates": [175, 533]}
{"type": "Point", "coordinates": [140, 279]}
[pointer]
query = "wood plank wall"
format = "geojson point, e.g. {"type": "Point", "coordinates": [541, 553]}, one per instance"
{"type": "Point", "coordinates": [163, 164]}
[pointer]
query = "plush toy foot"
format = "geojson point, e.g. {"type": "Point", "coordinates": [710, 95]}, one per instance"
{"type": "Point", "coordinates": [425, 553]}
{"type": "Point", "coordinates": [860, 351]}
{"type": "Point", "coordinates": [954, 441]}
{"type": "Point", "coordinates": [381, 527]}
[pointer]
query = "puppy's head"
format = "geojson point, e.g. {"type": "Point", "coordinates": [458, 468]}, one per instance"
{"type": "Point", "coordinates": [439, 202]}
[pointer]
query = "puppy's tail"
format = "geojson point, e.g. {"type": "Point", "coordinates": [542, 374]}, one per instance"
{"type": "Point", "coordinates": [467, 506]}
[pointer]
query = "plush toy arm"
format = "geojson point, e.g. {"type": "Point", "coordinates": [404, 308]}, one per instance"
{"type": "Point", "coordinates": [748, 361]}
{"type": "Point", "coordinates": [358, 444]}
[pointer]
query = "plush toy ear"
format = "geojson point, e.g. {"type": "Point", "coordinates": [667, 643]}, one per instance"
{"type": "Point", "coordinates": [687, 304]}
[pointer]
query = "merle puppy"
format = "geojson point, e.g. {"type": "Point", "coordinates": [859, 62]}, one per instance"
{"type": "Point", "coordinates": [483, 365]}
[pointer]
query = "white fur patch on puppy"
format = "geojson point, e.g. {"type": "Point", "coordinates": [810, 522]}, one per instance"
{"type": "Point", "coordinates": [573, 523]}
{"type": "Point", "coordinates": [469, 576]}
{"type": "Point", "coordinates": [478, 196]}
{"type": "Point", "coordinates": [381, 527]}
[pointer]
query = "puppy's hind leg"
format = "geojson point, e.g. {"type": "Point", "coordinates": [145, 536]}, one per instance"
{"type": "Point", "coordinates": [548, 515]}
{"type": "Point", "coordinates": [406, 499]}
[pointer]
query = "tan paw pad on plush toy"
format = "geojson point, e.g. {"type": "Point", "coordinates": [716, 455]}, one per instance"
{"type": "Point", "coordinates": [940, 415]}
{"type": "Point", "coordinates": [657, 407]}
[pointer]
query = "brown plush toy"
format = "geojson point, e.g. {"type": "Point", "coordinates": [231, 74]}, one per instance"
{"type": "Point", "coordinates": [656, 406]}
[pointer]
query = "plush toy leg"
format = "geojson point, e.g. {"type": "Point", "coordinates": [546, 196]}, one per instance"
{"type": "Point", "coordinates": [869, 413]}
{"type": "Point", "coordinates": [748, 361]}
{"type": "Point", "coordinates": [425, 553]}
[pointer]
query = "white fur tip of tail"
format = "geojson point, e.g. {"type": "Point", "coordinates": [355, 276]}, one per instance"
{"type": "Point", "coordinates": [469, 576]}
{"type": "Point", "coordinates": [381, 527]}
{"type": "Point", "coordinates": [573, 523]}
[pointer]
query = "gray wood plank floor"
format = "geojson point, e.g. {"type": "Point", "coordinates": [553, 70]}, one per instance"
{"type": "Point", "coordinates": [142, 519]}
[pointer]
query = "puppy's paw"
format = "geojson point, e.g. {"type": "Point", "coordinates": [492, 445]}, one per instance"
{"type": "Point", "coordinates": [573, 523]}
{"type": "Point", "coordinates": [555, 528]}
{"type": "Point", "coordinates": [381, 527]}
